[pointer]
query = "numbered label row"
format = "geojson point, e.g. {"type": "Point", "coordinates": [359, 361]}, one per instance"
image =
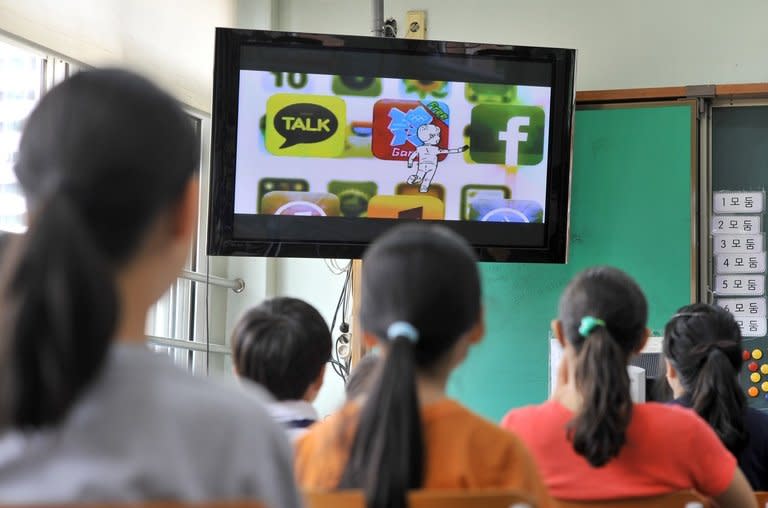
{"type": "Point", "coordinates": [740, 285]}
{"type": "Point", "coordinates": [738, 202]}
{"type": "Point", "coordinates": [736, 224]}
{"type": "Point", "coordinates": [743, 307]}
{"type": "Point", "coordinates": [752, 327]}
{"type": "Point", "coordinates": [740, 263]}
{"type": "Point", "coordinates": [738, 243]}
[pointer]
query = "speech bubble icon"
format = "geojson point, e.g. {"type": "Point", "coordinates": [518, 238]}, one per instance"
{"type": "Point", "coordinates": [305, 123]}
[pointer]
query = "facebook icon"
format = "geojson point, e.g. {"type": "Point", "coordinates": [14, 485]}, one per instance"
{"type": "Point", "coordinates": [509, 135]}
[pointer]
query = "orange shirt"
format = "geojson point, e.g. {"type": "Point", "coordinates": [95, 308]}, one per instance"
{"type": "Point", "coordinates": [463, 451]}
{"type": "Point", "coordinates": [668, 448]}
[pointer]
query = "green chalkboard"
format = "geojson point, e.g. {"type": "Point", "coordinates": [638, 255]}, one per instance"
{"type": "Point", "coordinates": [631, 208]}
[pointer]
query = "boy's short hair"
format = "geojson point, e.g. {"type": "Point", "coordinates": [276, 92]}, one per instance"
{"type": "Point", "coordinates": [282, 344]}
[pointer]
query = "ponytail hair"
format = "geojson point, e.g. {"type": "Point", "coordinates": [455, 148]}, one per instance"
{"type": "Point", "coordinates": [703, 344]}
{"type": "Point", "coordinates": [388, 460]}
{"type": "Point", "coordinates": [420, 294]}
{"type": "Point", "coordinates": [603, 313]}
{"type": "Point", "coordinates": [102, 155]}
{"type": "Point", "coordinates": [59, 303]}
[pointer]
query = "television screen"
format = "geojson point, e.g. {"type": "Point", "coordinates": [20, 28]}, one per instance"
{"type": "Point", "coordinates": [322, 142]}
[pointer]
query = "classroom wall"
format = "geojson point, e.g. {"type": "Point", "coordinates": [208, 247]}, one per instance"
{"type": "Point", "coordinates": [169, 40]}
{"type": "Point", "coordinates": [622, 44]}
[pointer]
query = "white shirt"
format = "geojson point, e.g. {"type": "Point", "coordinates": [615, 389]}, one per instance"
{"type": "Point", "coordinates": [148, 430]}
{"type": "Point", "coordinates": [293, 415]}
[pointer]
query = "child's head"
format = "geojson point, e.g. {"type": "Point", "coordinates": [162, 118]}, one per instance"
{"type": "Point", "coordinates": [108, 165]}
{"type": "Point", "coordinates": [421, 302]}
{"type": "Point", "coordinates": [284, 345]}
{"type": "Point", "coordinates": [425, 277]}
{"type": "Point", "coordinates": [602, 322]}
{"type": "Point", "coordinates": [702, 345]}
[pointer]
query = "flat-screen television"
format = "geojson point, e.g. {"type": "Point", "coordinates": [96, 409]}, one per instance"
{"type": "Point", "coordinates": [323, 142]}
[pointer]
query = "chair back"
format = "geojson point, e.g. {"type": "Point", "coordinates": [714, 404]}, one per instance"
{"type": "Point", "coordinates": [683, 499]}
{"type": "Point", "coordinates": [426, 499]}
{"type": "Point", "coordinates": [762, 499]}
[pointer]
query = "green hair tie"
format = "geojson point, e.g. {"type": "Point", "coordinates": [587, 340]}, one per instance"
{"type": "Point", "coordinates": [588, 324]}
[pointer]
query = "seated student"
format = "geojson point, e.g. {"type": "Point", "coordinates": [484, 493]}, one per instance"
{"type": "Point", "coordinates": [362, 377]}
{"type": "Point", "coordinates": [284, 344]}
{"type": "Point", "coordinates": [421, 302]}
{"type": "Point", "coordinates": [590, 440]}
{"type": "Point", "coordinates": [702, 346]}
{"type": "Point", "coordinates": [108, 163]}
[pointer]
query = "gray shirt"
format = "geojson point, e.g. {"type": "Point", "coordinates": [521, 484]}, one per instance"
{"type": "Point", "coordinates": [148, 430]}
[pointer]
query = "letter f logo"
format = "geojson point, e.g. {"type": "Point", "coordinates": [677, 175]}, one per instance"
{"type": "Point", "coordinates": [513, 137]}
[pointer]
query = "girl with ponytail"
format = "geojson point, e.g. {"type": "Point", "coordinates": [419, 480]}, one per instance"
{"type": "Point", "coordinates": [421, 304]}
{"type": "Point", "coordinates": [590, 440]}
{"type": "Point", "coordinates": [108, 163]}
{"type": "Point", "coordinates": [702, 346]}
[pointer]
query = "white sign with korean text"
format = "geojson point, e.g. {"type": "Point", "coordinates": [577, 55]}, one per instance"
{"type": "Point", "coordinates": [740, 263]}
{"type": "Point", "coordinates": [738, 202]}
{"type": "Point", "coordinates": [725, 244]}
{"type": "Point", "coordinates": [743, 307]}
{"type": "Point", "coordinates": [752, 327]}
{"type": "Point", "coordinates": [740, 285]}
{"type": "Point", "coordinates": [735, 224]}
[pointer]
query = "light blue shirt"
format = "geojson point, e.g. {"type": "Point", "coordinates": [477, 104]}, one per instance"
{"type": "Point", "coordinates": [148, 430]}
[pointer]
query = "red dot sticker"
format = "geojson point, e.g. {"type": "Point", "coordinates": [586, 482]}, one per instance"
{"type": "Point", "coordinates": [752, 367]}
{"type": "Point", "coordinates": [746, 355]}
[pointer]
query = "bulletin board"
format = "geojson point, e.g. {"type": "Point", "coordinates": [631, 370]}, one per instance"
{"type": "Point", "coordinates": [739, 179]}
{"type": "Point", "coordinates": [632, 206]}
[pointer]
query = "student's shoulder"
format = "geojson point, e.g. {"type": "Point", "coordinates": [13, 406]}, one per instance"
{"type": "Point", "coordinates": [482, 433]}
{"type": "Point", "coordinates": [206, 399]}
{"type": "Point", "coordinates": [535, 416]}
{"type": "Point", "coordinates": [670, 425]}
{"type": "Point", "coordinates": [336, 426]}
{"type": "Point", "coordinates": [661, 415]}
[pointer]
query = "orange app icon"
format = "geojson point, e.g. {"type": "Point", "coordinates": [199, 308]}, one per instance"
{"type": "Point", "coordinates": [406, 207]}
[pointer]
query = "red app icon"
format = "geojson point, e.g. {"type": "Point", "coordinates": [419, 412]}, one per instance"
{"type": "Point", "coordinates": [396, 127]}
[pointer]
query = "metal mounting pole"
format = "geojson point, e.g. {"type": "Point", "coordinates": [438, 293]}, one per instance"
{"type": "Point", "coordinates": [378, 17]}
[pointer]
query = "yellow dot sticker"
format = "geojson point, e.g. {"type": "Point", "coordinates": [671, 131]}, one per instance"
{"type": "Point", "coordinates": [753, 391]}
{"type": "Point", "coordinates": [754, 377]}
{"type": "Point", "coordinates": [757, 354]}
{"type": "Point", "coordinates": [764, 386]}
{"type": "Point", "coordinates": [764, 368]}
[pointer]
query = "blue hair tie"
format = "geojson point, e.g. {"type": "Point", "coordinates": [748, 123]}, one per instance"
{"type": "Point", "coordinates": [403, 329]}
{"type": "Point", "coordinates": [588, 324]}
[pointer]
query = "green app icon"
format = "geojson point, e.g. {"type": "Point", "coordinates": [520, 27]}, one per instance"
{"type": "Point", "coordinates": [363, 86]}
{"type": "Point", "coordinates": [509, 135]}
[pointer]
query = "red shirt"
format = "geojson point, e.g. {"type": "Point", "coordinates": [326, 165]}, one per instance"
{"type": "Point", "coordinates": [668, 448]}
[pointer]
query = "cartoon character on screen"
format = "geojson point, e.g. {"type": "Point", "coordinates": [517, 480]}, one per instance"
{"type": "Point", "coordinates": [429, 134]}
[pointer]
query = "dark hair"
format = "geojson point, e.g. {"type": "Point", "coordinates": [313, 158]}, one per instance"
{"type": "Point", "coordinates": [703, 344]}
{"type": "Point", "coordinates": [425, 276]}
{"type": "Point", "coordinates": [599, 430]}
{"type": "Point", "coordinates": [282, 344]}
{"type": "Point", "coordinates": [101, 156]}
{"type": "Point", "coordinates": [363, 376]}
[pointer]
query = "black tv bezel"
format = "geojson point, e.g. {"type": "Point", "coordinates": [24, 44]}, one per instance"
{"type": "Point", "coordinates": [312, 237]}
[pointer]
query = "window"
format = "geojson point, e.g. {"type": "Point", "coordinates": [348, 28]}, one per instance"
{"type": "Point", "coordinates": [21, 85]}
{"type": "Point", "coordinates": [25, 75]}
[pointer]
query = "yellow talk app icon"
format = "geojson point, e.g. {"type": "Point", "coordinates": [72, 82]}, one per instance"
{"type": "Point", "coordinates": [416, 207]}
{"type": "Point", "coordinates": [301, 125]}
